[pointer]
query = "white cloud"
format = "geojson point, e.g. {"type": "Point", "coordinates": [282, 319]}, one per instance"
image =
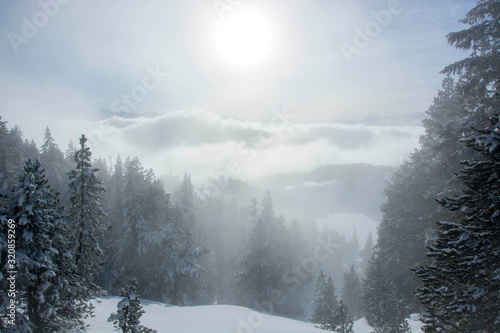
{"type": "Point", "coordinates": [203, 143]}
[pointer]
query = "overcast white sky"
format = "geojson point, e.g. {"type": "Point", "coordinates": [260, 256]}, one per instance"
{"type": "Point", "coordinates": [61, 64]}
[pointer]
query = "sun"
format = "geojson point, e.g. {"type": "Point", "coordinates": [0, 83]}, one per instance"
{"type": "Point", "coordinates": [245, 39]}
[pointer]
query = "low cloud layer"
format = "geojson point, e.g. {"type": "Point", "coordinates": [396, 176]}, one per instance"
{"type": "Point", "coordinates": [205, 144]}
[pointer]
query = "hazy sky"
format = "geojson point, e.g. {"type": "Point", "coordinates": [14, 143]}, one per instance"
{"type": "Point", "coordinates": [322, 60]}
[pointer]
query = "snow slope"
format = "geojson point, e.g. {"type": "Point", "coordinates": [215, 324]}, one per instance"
{"type": "Point", "coordinates": [210, 319]}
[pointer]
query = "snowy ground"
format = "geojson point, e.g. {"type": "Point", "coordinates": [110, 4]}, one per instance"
{"type": "Point", "coordinates": [211, 319]}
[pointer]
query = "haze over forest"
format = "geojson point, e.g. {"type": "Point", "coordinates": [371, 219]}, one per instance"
{"type": "Point", "coordinates": [317, 160]}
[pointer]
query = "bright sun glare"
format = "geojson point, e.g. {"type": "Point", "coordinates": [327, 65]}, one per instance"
{"type": "Point", "coordinates": [245, 39]}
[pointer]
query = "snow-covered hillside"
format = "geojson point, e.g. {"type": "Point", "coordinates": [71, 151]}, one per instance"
{"type": "Point", "coordinates": [211, 319]}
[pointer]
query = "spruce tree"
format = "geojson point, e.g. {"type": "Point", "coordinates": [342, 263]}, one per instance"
{"type": "Point", "coordinates": [132, 231]}
{"type": "Point", "coordinates": [11, 162]}
{"type": "Point", "coordinates": [260, 266]}
{"type": "Point", "coordinates": [85, 215]}
{"type": "Point", "coordinates": [383, 309]}
{"type": "Point", "coordinates": [113, 221]}
{"type": "Point", "coordinates": [127, 318]}
{"type": "Point", "coordinates": [461, 287]}
{"type": "Point", "coordinates": [12, 317]}
{"type": "Point", "coordinates": [188, 282]}
{"type": "Point", "coordinates": [460, 291]}
{"type": "Point", "coordinates": [45, 269]}
{"type": "Point", "coordinates": [163, 243]}
{"type": "Point", "coordinates": [340, 320]}
{"type": "Point", "coordinates": [267, 257]}
{"type": "Point", "coordinates": [69, 154]}
{"type": "Point", "coordinates": [352, 293]}
{"type": "Point", "coordinates": [139, 230]}
{"type": "Point", "coordinates": [185, 199]}
{"type": "Point", "coordinates": [411, 211]}
{"type": "Point", "coordinates": [52, 160]}
{"type": "Point", "coordinates": [30, 150]}
{"type": "Point", "coordinates": [325, 301]}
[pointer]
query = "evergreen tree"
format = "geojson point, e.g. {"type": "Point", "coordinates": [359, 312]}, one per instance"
{"type": "Point", "coordinates": [69, 154]}
{"type": "Point", "coordinates": [188, 283]}
{"type": "Point", "coordinates": [264, 262]}
{"type": "Point", "coordinates": [45, 269]}
{"type": "Point", "coordinates": [185, 198]}
{"type": "Point", "coordinates": [325, 302]}
{"type": "Point", "coordinates": [252, 210]}
{"type": "Point", "coordinates": [127, 318]}
{"type": "Point", "coordinates": [366, 253]}
{"type": "Point", "coordinates": [410, 212]}
{"type": "Point", "coordinates": [461, 288]}
{"type": "Point", "coordinates": [30, 150]}
{"type": "Point", "coordinates": [11, 320]}
{"type": "Point", "coordinates": [259, 273]}
{"type": "Point", "coordinates": [52, 159]}
{"type": "Point", "coordinates": [163, 243]}
{"type": "Point", "coordinates": [352, 293]}
{"type": "Point", "coordinates": [114, 217]}
{"type": "Point", "coordinates": [383, 309]}
{"type": "Point", "coordinates": [85, 215]}
{"type": "Point", "coordinates": [480, 72]}
{"type": "Point", "coordinates": [129, 248]}
{"type": "Point", "coordinates": [289, 302]}
{"type": "Point", "coordinates": [340, 320]}
{"type": "Point", "coordinates": [460, 291]}
{"type": "Point", "coordinates": [11, 163]}
{"type": "Point", "coordinates": [267, 210]}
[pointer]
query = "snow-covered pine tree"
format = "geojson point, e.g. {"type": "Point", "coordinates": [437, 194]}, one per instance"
{"type": "Point", "coordinates": [162, 244]}
{"type": "Point", "coordinates": [113, 220]}
{"type": "Point", "coordinates": [128, 249]}
{"type": "Point", "coordinates": [383, 310]}
{"type": "Point", "coordinates": [30, 150]}
{"type": "Point", "coordinates": [127, 317]}
{"type": "Point", "coordinates": [69, 154]}
{"type": "Point", "coordinates": [34, 209]}
{"type": "Point", "coordinates": [52, 160]}
{"type": "Point", "coordinates": [11, 321]}
{"type": "Point", "coordinates": [265, 259]}
{"type": "Point", "coordinates": [85, 215]}
{"type": "Point", "coordinates": [43, 261]}
{"type": "Point", "coordinates": [352, 293]}
{"type": "Point", "coordinates": [366, 253]}
{"type": "Point", "coordinates": [325, 301]}
{"type": "Point", "coordinates": [319, 316]}
{"type": "Point", "coordinates": [255, 276]}
{"type": "Point", "coordinates": [267, 211]}
{"type": "Point", "coordinates": [261, 265]}
{"type": "Point", "coordinates": [185, 199]}
{"type": "Point", "coordinates": [158, 210]}
{"type": "Point", "coordinates": [456, 293]}
{"type": "Point", "coordinates": [137, 243]}
{"type": "Point", "coordinates": [410, 211]}
{"type": "Point", "coordinates": [479, 73]}
{"type": "Point", "coordinates": [461, 287]}
{"type": "Point", "coordinates": [11, 163]}
{"type": "Point", "coordinates": [291, 293]}
{"type": "Point", "coordinates": [340, 320]}
{"type": "Point", "coordinates": [188, 282]}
